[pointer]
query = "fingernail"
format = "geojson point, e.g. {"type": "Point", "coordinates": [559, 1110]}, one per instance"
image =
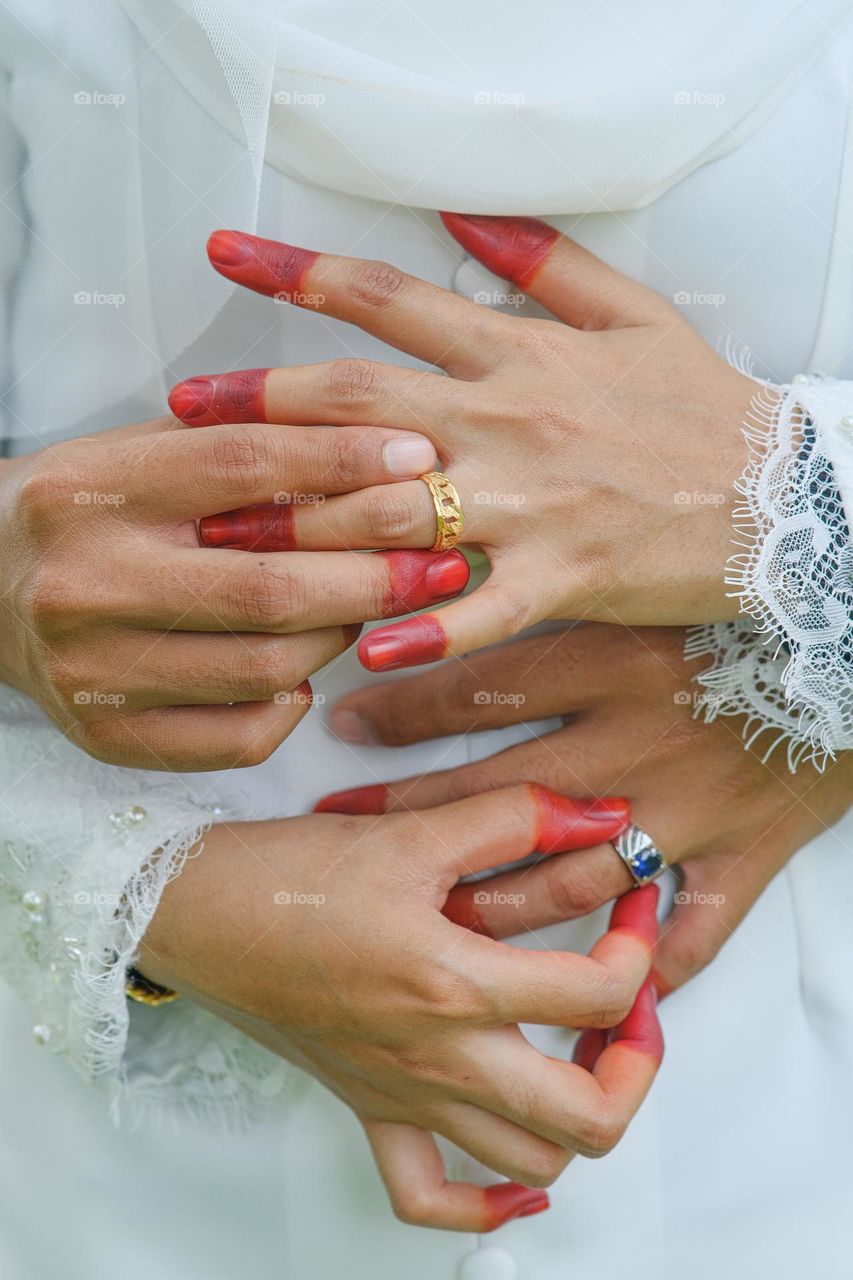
{"type": "Point", "coordinates": [228, 248]}
{"type": "Point", "coordinates": [191, 399]}
{"type": "Point", "coordinates": [407, 644]}
{"type": "Point", "coordinates": [447, 576]}
{"type": "Point", "coordinates": [358, 800]}
{"type": "Point", "coordinates": [509, 1200]}
{"type": "Point", "coordinates": [224, 531]}
{"type": "Point", "coordinates": [350, 727]}
{"type": "Point", "coordinates": [608, 809]}
{"type": "Point", "coordinates": [409, 456]}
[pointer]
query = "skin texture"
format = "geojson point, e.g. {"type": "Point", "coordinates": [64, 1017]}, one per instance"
{"type": "Point", "coordinates": [413, 1022]}
{"type": "Point", "coordinates": [613, 434]}
{"type": "Point", "coordinates": [152, 651]}
{"type": "Point", "coordinates": [727, 818]}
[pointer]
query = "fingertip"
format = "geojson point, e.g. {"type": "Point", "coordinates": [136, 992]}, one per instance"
{"type": "Point", "coordinates": [356, 801]}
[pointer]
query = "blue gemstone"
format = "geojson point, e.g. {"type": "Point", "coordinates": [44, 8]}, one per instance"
{"type": "Point", "coordinates": [647, 864]}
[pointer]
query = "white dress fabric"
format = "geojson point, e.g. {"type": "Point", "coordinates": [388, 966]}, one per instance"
{"type": "Point", "coordinates": [738, 1158]}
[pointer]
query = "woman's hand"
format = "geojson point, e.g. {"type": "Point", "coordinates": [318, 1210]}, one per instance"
{"type": "Point", "coordinates": [730, 820]}
{"type": "Point", "coordinates": [150, 650]}
{"type": "Point", "coordinates": [595, 458]}
{"type": "Point", "coordinates": [323, 937]}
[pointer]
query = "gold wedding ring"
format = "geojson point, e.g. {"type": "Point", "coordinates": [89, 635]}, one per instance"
{"type": "Point", "coordinates": [448, 510]}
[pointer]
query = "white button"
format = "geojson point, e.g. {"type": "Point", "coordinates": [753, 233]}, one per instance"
{"type": "Point", "coordinates": [490, 1263]}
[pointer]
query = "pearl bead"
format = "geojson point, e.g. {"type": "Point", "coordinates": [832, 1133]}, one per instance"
{"type": "Point", "coordinates": [34, 902]}
{"type": "Point", "coordinates": [800, 379]}
{"type": "Point", "coordinates": [488, 1263]}
{"type": "Point", "coordinates": [72, 945]}
{"type": "Point", "coordinates": [43, 1033]}
{"type": "Point", "coordinates": [136, 816]}
{"type": "Point", "coordinates": [847, 422]}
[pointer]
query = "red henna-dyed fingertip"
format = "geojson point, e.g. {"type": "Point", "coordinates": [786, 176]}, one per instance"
{"type": "Point", "coordinates": [191, 399]}
{"type": "Point", "coordinates": [417, 579]}
{"type": "Point", "coordinates": [221, 397]}
{"type": "Point", "coordinates": [406, 644]}
{"type": "Point", "coordinates": [636, 911]}
{"type": "Point", "coordinates": [507, 1201]}
{"type": "Point", "coordinates": [564, 824]}
{"type": "Point", "coordinates": [267, 266]}
{"type": "Point", "coordinates": [641, 1030]}
{"type": "Point", "coordinates": [512, 247]}
{"type": "Point", "coordinates": [269, 527]}
{"type": "Point", "coordinates": [358, 800]}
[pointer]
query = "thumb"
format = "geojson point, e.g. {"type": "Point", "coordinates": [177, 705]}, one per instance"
{"type": "Point", "coordinates": [570, 281]}
{"type": "Point", "coordinates": [717, 892]}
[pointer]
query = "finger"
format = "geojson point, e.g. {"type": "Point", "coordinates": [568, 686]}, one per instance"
{"type": "Point", "coordinates": [391, 515]}
{"type": "Point", "coordinates": [191, 739]}
{"type": "Point", "coordinates": [203, 590]}
{"type": "Point", "coordinates": [556, 988]}
{"type": "Point", "coordinates": [413, 1171]}
{"type": "Point", "coordinates": [498, 610]}
{"type": "Point", "coordinates": [186, 669]}
{"type": "Point", "coordinates": [570, 281]}
{"type": "Point", "coordinates": [584, 1106]}
{"type": "Point", "coordinates": [420, 318]}
{"type": "Point", "coordinates": [201, 473]}
{"type": "Point", "coordinates": [338, 393]}
{"type": "Point", "coordinates": [561, 888]}
{"type": "Point", "coordinates": [716, 893]}
{"type": "Point", "coordinates": [530, 679]}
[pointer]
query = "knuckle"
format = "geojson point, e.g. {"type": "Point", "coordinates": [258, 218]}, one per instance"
{"type": "Point", "coordinates": [611, 1000]}
{"type": "Point", "coordinates": [51, 599]}
{"type": "Point", "coordinates": [412, 1205]}
{"type": "Point", "coordinates": [387, 515]}
{"type": "Point", "coordinates": [571, 892]}
{"type": "Point", "coordinates": [512, 604]}
{"type": "Point", "coordinates": [268, 595]}
{"type": "Point", "coordinates": [543, 1169]}
{"type": "Point", "coordinates": [452, 996]}
{"type": "Point", "coordinates": [599, 1133]}
{"type": "Point", "coordinates": [376, 284]}
{"type": "Point", "coordinates": [239, 458]}
{"type": "Point", "coordinates": [253, 748]}
{"type": "Point", "coordinates": [354, 382]}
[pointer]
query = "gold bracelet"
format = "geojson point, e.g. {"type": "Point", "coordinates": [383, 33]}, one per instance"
{"type": "Point", "coordinates": [143, 991]}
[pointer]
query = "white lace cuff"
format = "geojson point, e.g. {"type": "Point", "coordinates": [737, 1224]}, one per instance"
{"type": "Point", "coordinates": [86, 850]}
{"type": "Point", "coordinates": [788, 667]}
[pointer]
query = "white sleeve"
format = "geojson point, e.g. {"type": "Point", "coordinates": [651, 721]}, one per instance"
{"type": "Point", "coordinates": [788, 664]}
{"type": "Point", "coordinates": [86, 850]}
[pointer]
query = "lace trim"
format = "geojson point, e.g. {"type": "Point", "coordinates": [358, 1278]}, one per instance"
{"type": "Point", "coordinates": [791, 669]}
{"type": "Point", "coordinates": [80, 879]}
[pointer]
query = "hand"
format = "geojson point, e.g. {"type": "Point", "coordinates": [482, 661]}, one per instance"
{"type": "Point", "coordinates": [573, 445]}
{"type": "Point", "coordinates": [135, 639]}
{"type": "Point", "coordinates": [323, 938]}
{"type": "Point", "coordinates": [729, 820]}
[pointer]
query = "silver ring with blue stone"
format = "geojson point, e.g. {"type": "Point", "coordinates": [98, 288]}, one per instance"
{"type": "Point", "coordinates": [640, 854]}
